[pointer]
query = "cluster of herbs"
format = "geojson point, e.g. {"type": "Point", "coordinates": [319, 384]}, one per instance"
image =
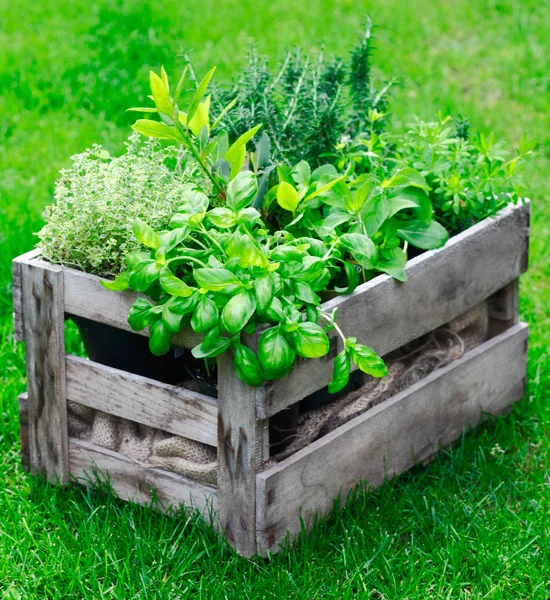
{"type": "Point", "coordinates": [308, 103]}
{"type": "Point", "coordinates": [225, 269]}
{"type": "Point", "coordinates": [232, 242]}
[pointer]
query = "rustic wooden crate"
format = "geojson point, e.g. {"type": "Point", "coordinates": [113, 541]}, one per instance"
{"type": "Point", "coordinates": [255, 507]}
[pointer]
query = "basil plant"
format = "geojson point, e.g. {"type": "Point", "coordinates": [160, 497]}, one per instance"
{"type": "Point", "coordinates": [258, 247]}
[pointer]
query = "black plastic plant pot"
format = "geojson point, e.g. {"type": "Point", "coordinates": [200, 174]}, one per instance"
{"type": "Point", "coordinates": [130, 352]}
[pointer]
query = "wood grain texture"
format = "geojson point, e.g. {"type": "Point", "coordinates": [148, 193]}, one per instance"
{"type": "Point", "coordinates": [17, 292]}
{"type": "Point", "coordinates": [243, 445]}
{"type": "Point", "coordinates": [86, 297]}
{"type": "Point", "coordinates": [23, 401]}
{"type": "Point", "coordinates": [503, 308]}
{"type": "Point", "coordinates": [442, 284]}
{"type": "Point", "coordinates": [393, 436]}
{"type": "Point", "coordinates": [166, 407]}
{"type": "Point", "coordinates": [42, 287]}
{"type": "Point", "coordinates": [132, 481]}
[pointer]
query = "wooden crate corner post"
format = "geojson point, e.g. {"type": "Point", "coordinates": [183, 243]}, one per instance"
{"type": "Point", "coordinates": [41, 324]}
{"type": "Point", "coordinates": [243, 445]}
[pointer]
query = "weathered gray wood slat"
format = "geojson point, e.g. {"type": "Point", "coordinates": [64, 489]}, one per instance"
{"type": "Point", "coordinates": [442, 284]}
{"type": "Point", "coordinates": [133, 481]}
{"type": "Point", "coordinates": [42, 291]}
{"type": "Point", "coordinates": [23, 401]}
{"type": "Point", "coordinates": [166, 407]}
{"type": "Point", "coordinates": [504, 308]}
{"type": "Point", "coordinates": [17, 292]}
{"type": "Point", "coordinates": [86, 297]}
{"type": "Point", "coordinates": [393, 436]}
{"type": "Point", "coordinates": [243, 445]}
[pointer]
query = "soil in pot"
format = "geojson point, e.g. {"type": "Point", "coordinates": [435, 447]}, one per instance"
{"type": "Point", "coordinates": [130, 352]}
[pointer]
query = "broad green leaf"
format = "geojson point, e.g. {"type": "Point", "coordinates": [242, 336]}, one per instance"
{"type": "Point", "coordinates": [140, 315]}
{"type": "Point", "coordinates": [145, 235]}
{"type": "Point", "coordinates": [368, 361]}
{"type": "Point", "coordinates": [264, 289]}
{"type": "Point", "coordinates": [275, 310]}
{"type": "Point", "coordinates": [215, 280]}
{"type": "Point", "coordinates": [424, 209]}
{"type": "Point", "coordinates": [122, 282]}
{"type": "Point", "coordinates": [287, 197]}
{"type": "Point", "coordinates": [173, 285]}
{"type": "Point", "coordinates": [355, 202]}
{"type": "Point", "coordinates": [155, 129]}
{"type": "Point", "coordinates": [238, 311]}
{"type": "Point", "coordinates": [181, 83]}
{"type": "Point", "coordinates": [310, 340]}
{"type": "Point", "coordinates": [398, 203]}
{"type": "Point", "coordinates": [374, 212]}
{"type": "Point", "coordinates": [143, 275]}
{"type": "Point", "coordinates": [161, 95]}
{"type": "Point", "coordinates": [406, 176]}
{"type": "Point", "coordinates": [199, 93]}
{"type": "Point", "coordinates": [223, 218]}
{"type": "Point", "coordinates": [305, 293]}
{"type": "Point", "coordinates": [200, 118]}
{"type": "Point", "coordinates": [274, 352]}
{"type": "Point", "coordinates": [340, 372]}
{"type": "Point", "coordinates": [205, 316]}
{"type": "Point", "coordinates": [171, 239]}
{"type": "Point", "coordinates": [248, 215]}
{"type": "Point", "coordinates": [175, 309]}
{"type": "Point", "coordinates": [159, 338]}
{"type": "Point", "coordinates": [359, 245]}
{"type": "Point", "coordinates": [426, 236]}
{"type": "Point", "coordinates": [247, 366]}
{"type": "Point", "coordinates": [241, 190]}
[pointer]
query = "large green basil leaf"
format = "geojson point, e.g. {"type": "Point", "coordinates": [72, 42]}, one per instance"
{"type": "Point", "coordinates": [140, 315]}
{"type": "Point", "coordinates": [241, 190]}
{"type": "Point", "coordinates": [247, 366]}
{"type": "Point", "coordinates": [394, 264]}
{"type": "Point", "coordinates": [205, 316]}
{"type": "Point", "coordinates": [368, 361]}
{"type": "Point", "coordinates": [222, 218]}
{"type": "Point", "coordinates": [238, 311]}
{"type": "Point", "coordinates": [160, 336]}
{"type": "Point", "coordinates": [145, 235]}
{"type": "Point", "coordinates": [310, 340]}
{"type": "Point", "coordinates": [122, 282]}
{"type": "Point", "coordinates": [264, 289]}
{"type": "Point", "coordinates": [374, 212]}
{"type": "Point", "coordinates": [215, 280]}
{"type": "Point", "coordinates": [143, 275]}
{"type": "Point", "coordinates": [340, 372]}
{"type": "Point", "coordinates": [353, 279]}
{"type": "Point", "coordinates": [274, 352]}
{"type": "Point", "coordinates": [287, 196]}
{"type": "Point", "coordinates": [173, 285]}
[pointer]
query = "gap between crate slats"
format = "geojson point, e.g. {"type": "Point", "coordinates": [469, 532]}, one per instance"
{"type": "Point", "coordinates": [146, 401]}
{"type": "Point", "coordinates": [393, 436]}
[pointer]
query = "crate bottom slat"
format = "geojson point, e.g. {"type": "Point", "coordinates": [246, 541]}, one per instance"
{"type": "Point", "coordinates": [391, 437]}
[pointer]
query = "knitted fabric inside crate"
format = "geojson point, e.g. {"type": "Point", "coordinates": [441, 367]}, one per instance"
{"type": "Point", "coordinates": [407, 365]}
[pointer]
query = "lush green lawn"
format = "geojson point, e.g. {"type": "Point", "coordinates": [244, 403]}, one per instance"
{"type": "Point", "coordinates": [474, 524]}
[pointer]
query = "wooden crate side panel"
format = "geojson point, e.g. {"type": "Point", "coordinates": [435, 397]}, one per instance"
{"type": "Point", "coordinates": [42, 288]}
{"type": "Point", "coordinates": [86, 297]}
{"type": "Point", "coordinates": [442, 284]}
{"type": "Point", "coordinates": [243, 445]}
{"type": "Point", "coordinates": [166, 407]}
{"type": "Point", "coordinates": [133, 481]}
{"type": "Point", "coordinates": [392, 437]}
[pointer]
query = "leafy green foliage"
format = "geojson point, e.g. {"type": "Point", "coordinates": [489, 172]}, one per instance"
{"type": "Point", "coordinates": [89, 226]}
{"type": "Point", "coordinates": [227, 270]}
{"type": "Point", "coordinates": [307, 104]}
